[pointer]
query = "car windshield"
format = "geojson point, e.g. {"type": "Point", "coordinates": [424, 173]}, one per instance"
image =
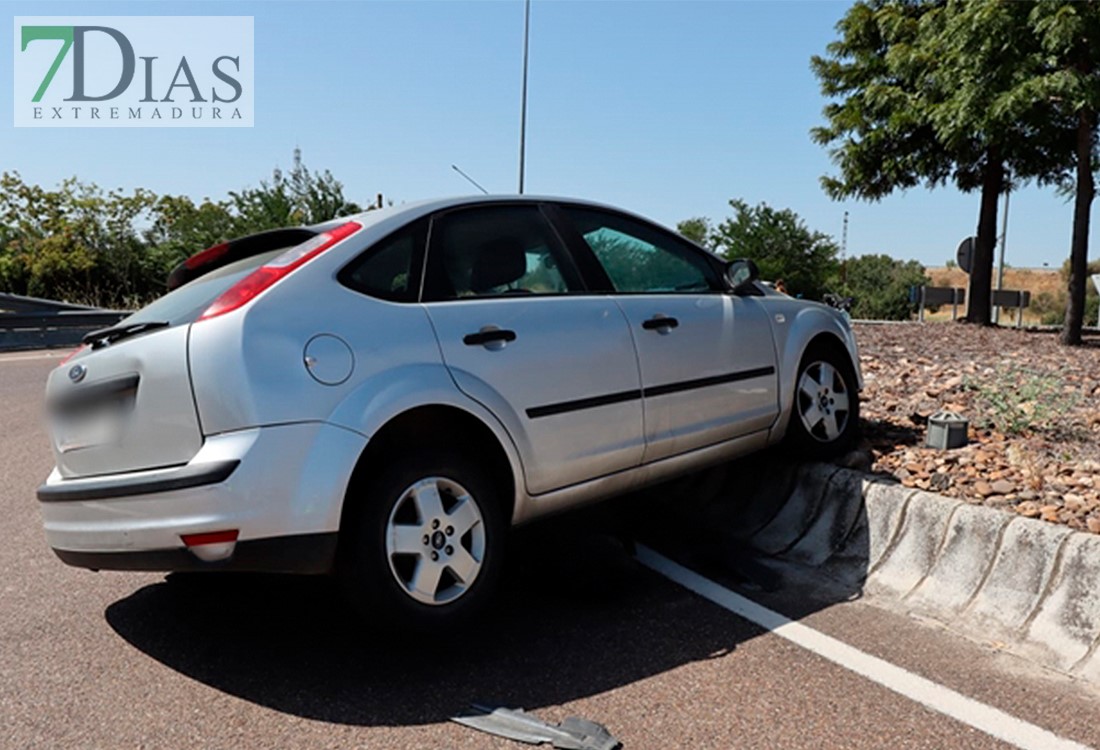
{"type": "Point", "coordinates": [185, 304]}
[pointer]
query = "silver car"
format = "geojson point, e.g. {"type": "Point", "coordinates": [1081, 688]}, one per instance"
{"type": "Point", "coordinates": [382, 396]}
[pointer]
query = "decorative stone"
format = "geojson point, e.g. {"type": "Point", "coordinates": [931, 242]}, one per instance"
{"type": "Point", "coordinates": [1028, 509]}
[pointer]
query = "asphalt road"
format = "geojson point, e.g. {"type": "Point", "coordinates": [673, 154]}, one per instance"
{"type": "Point", "coordinates": [120, 660]}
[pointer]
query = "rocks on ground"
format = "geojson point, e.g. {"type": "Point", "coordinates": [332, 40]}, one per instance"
{"type": "Point", "coordinates": [1033, 407]}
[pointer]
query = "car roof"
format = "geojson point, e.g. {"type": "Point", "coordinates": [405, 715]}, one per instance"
{"type": "Point", "coordinates": [416, 209]}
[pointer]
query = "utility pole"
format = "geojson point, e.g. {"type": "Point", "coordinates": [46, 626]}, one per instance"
{"type": "Point", "coordinates": [844, 250]}
{"type": "Point", "coordinates": [1004, 237]}
{"type": "Point", "coordinates": [523, 96]}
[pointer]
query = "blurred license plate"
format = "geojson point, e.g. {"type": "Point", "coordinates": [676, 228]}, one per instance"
{"type": "Point", "coordinates": [88, 432]}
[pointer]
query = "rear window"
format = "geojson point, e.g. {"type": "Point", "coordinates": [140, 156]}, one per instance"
{"type": "Point", "coordinates": [186, 304]}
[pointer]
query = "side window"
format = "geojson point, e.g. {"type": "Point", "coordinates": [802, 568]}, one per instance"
{"type": "Point", "coordinates": [496, 250]}
{"type": "Point", "coordinates": [385, 270]}
{"type": "Point", "coordinates": [638, 258]}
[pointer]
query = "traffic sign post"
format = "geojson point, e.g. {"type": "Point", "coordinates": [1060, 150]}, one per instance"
{"type": "Point", "coordinates": [964, 256]}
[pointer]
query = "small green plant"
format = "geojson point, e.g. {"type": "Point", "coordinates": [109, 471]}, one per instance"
{"type": "Point", "coordinates": [1017, 401]}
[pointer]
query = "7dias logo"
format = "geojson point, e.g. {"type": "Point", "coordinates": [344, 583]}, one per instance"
{"type": "Point", "coordinates": [134, 71]}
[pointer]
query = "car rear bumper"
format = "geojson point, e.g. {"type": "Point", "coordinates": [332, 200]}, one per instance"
{"type": "Point", "coordinates": [138, 483]}
{"type": "Point", "coordinates": [280, 488]}
{"type": "Point", "coordinates": [302, 553]}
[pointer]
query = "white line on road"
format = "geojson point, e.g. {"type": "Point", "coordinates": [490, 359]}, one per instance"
{"type": "Point", "coordinates": [985, 718]}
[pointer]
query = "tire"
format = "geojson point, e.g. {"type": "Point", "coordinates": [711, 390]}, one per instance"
{"type": "Point", "coordinates": [825, 411]}
{"type": "Point", "coordinates": [424, 549]}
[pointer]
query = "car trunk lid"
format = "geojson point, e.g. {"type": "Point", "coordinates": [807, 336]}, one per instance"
{"type": "Point", "coordinates": [124, 401]}
{"type": "Point", "coordinates": [124, 407]}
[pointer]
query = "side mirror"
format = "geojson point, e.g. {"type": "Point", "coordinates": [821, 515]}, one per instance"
{"type": "Point", "coordinates": [741, 273]}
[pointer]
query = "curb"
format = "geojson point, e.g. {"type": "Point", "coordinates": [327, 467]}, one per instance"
{"type": "Point", "coordinates": [1032, 585]}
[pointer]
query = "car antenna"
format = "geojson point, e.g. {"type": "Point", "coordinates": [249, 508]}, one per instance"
{"type": "Point", "coordinates": [470, 179]}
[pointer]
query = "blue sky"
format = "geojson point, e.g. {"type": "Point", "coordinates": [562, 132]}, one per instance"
{"type": "Point", "coordinates": [668, 108]}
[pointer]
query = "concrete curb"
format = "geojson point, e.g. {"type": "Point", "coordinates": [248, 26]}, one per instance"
{"type": "Point", "coordinates": [1031, 585]}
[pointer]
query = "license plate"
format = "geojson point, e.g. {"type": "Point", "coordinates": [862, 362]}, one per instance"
{"type": "Point", "coordinates": [88, 432]}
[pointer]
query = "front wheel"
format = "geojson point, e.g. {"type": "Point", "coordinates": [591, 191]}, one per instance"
{"type": "Point", "coordinates": [425, 549]}
{"type": "Point", "coordinates": [825, 413]}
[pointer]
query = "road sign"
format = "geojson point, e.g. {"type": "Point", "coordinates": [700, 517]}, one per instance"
{"type": "Point", "coordinates": [965, 254]}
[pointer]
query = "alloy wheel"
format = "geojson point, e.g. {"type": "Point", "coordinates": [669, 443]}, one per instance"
{"type": "Point", "coordinates": [435, 541]}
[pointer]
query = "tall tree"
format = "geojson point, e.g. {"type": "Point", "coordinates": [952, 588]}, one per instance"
{"type": "Point", "coordinates": [697, 229]}
{"type": "Point", "coordinates": [302, 197]}
{"type": "Point", "coordinates": [930, 92]}
{"type": "Point", "coordinates": [1069, 34]}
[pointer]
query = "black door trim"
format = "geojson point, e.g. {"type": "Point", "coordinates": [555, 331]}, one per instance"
{"type": "Point", "coordinates": [688, 385]}
{"type": "Point", "coordinates": [583, 403]}
{"type": "Point", "coordinates": [593, 402]}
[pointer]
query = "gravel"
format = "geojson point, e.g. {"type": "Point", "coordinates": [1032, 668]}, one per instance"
{"type": "Point", "coordinates": [1032, 404]}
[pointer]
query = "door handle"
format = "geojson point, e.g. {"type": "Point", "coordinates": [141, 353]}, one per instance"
{"type": "Point", "coordinates": [658, 322]}
{"type": "Point", "coordinates": [489, 336]}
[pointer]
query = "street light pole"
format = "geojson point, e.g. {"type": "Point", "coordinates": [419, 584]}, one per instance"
{"type": "Point", "coordinates": [844, 251]}
{"type": "Point", "coordinates": [523, 102]}
{"type": "Point", "coordinates": [1001, 264]}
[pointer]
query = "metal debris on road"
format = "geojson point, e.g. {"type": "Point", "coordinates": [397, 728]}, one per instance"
{"type": "Point", "coordinates": [574, 733]}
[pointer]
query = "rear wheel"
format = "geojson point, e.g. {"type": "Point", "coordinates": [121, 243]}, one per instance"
{"type": "Point", "coordinates": [825, 413]}
{"type": "Point", "coordinates": [425, 548]}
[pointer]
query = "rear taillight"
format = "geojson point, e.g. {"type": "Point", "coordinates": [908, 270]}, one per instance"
{"type": "Point", "coordinates": [263, 277]}
{"type": "Point", "coordinates": [210, 537]}
{"type": "Point", "coordinates": [212, 546]}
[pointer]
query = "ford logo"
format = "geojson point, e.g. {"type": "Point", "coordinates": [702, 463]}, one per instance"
{"type": "Point", "coordinates": [77, 373]}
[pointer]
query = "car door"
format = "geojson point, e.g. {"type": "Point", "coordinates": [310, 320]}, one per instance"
{"type": "Point", "coordinates": [706, 356]}
{"type": "Point", "coordinates": [520, 334]}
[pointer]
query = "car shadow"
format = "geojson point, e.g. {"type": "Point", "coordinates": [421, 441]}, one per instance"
{"type": "Point", "coordinates": [882, 433]}
{"type": "Point", "coordinates": [576, 616]}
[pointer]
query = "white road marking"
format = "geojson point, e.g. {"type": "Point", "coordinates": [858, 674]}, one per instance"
{"type": "Point", "coordinates": [992, 721]}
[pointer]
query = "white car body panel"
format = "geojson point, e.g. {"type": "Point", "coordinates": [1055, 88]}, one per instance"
{"type": "Point", "coordinates": [303, 496]}
{"type": "Point", "coordinates": [567, 349]}
{"type": "Point", "coordinates": [717, 336]}
{"type": "Point", "coordinates": [161, 428]}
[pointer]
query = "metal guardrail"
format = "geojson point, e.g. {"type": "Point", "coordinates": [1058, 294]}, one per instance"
{"type": "Point", "coordinates": [934, 296]}
{"type": "Point", "coordinates": [32, 323]}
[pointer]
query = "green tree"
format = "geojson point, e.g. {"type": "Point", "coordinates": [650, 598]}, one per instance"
{"type": "Point", "coordinates": [780, 244]}
{"type": "Point", "coordinates": [302, 197]}
{"type": "Point", "coordinates": [929, 92]}
{"type": "Point", "coordinates": [180, 228]}
{"type": "Point", "coordinates": [1069, 35]}
{"type": "Point", "coordinates": [697, 229]}
{"type": "Point", "coordinates": [76, 243]}
{"type": "Point", "coordinates": [880, 286]}
{"type": "Point", "coordinates": [115, 249]}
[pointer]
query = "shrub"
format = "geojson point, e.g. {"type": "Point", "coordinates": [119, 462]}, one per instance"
{"type": "Point", "coordinates": [880, 286]}
{"type": "Point", "coordinates": [1017, 401]}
